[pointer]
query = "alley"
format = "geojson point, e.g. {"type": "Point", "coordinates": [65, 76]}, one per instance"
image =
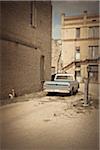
{"type": "Point", "coordinates": [44, 122]}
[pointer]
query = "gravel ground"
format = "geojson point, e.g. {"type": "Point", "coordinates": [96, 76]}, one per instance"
{"type": "Point", "coordinates": [54, 122]}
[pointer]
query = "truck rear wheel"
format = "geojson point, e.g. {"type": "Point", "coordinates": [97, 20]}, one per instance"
{"type": "Point", "coordinates": [72, 91]}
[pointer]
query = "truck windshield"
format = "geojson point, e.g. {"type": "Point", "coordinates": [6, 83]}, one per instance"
{"type": "Point", "coordinates": [64, 78]}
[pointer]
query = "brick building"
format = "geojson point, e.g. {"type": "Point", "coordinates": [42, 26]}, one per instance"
{"type": "Point", "coordinates": [80, 46]}
{"type": "Point", "coordinates": [25, 45]}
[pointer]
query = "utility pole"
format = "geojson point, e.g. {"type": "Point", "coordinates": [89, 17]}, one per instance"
{"type": "Point", "coordinates": [86, 89]}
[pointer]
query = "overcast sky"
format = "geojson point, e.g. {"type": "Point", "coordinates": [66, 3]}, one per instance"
{"type": "Point", "coordinates": [70, 8]}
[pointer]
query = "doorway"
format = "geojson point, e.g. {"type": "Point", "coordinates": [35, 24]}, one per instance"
{"type": "Point", "coordinates": [42, 59]}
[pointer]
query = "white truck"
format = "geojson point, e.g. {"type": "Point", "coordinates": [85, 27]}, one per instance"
{"type": "Point", "coordinates": [63, 83]}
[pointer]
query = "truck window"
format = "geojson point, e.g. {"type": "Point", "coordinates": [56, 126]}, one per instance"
{"type": "Point", "coordinates": [64, 78]}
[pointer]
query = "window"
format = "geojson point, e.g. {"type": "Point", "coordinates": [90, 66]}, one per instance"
{"type": "Point", "coordinates": [93, 52]}
{"type": "Point", "coordinates": [77, 53]}
{"type": "Point", "coordinates": [78, 75]}
{"type": "Point", "coordinates": [33, 14]}
{"type": "Point", "coordinates": [77, 65]}
{"type": "Point", "coordinates": [93, 76]}
{"type": "Point", "coordinates": [64, 78]}
{"type": "Point", "coordinates": [93, 32]}
{"type": "Point", "coordinates": [77, 32]}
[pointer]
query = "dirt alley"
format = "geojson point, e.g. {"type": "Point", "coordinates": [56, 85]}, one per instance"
{"type": "Point", "coordinates": [54, 122]}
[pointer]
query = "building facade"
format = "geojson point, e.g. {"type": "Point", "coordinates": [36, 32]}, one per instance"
{"type": "Point", "coordinates": [80, 45]}
{"type": "Point", "coordinates": [25, 45]}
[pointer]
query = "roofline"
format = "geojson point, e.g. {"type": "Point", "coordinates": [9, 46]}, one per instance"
{"type": "Point", "coordinates": [80, 17]}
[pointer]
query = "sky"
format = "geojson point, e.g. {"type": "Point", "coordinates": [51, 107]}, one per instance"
{"type": "Point", "coordinates": [70, 8]}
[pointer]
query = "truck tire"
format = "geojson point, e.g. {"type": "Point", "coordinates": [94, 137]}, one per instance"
{"type": "Point", "coordinates": [72, 91]}
{"type": "Point", "coordinates": [77, 91]}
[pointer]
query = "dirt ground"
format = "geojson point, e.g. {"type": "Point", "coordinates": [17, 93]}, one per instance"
{"type": "Point", "coordinates": [49, 122]}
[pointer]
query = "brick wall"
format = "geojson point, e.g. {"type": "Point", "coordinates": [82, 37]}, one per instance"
{"type": "Point", "coordinates": [22, 46]}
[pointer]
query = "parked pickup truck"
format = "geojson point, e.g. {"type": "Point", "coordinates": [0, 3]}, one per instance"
{"type": "Point", "coordinates": [63, 83]}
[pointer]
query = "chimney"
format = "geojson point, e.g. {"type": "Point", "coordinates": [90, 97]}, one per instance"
{"type": "Point", "coordinates": [85, 17]}
{"type": "Point", "coordinates": [62, 19]}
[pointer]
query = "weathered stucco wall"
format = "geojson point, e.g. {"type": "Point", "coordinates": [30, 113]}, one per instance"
{"type": "Point", "coordinates": [80, 47]}
{"type": "Point", "coordinates": [93, 90]}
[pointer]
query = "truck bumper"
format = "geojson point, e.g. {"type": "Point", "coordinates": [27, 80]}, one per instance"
{"type": "Point", "coordinates": [56, 91]}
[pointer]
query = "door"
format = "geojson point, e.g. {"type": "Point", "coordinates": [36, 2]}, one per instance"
{"type": "Point", "coordinates": [42, 70]}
